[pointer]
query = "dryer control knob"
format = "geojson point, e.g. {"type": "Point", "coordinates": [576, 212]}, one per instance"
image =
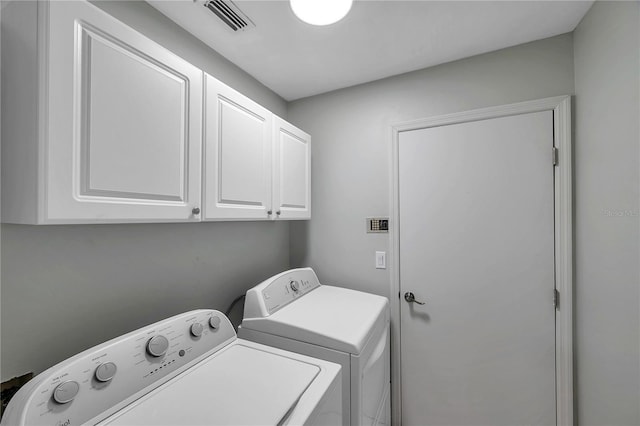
{"type": "Point", "coordinates": [294, 285]}
{"type": "Point", "coordinates": [106, 371]}
{"type": "Point", "coordinates": [157, 345]}
{"type": "Point", "coordinates": [66, 391]}
{"type": "Point", "coordinates": [196, 329]}
{"type": "Point", "coordinates": [214, 322]}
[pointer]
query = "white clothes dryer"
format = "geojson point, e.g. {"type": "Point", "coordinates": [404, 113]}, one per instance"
{"type": "Point", "coordinates": [293, 311]}
{"type": "Point", "coordinates": [190, 369]}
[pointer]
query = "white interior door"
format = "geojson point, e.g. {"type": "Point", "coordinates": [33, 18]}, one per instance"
{"type": "Point", "coordinates": [476, 230]}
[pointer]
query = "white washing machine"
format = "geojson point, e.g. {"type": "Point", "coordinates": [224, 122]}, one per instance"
{"type": "Point", "coordinates": [293, 311]}
{"type": "Point", "coordinates": [190, 369]}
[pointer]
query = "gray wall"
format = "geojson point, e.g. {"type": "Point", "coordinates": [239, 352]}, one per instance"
{"type": "Point", "coordinates": [67, 288]}
{"type": "Point", "coordinates": [59, 282]}
{"type": "Point", "coordinates": [606, 60]}
{"type": "Point", "coordinates": [150, 22]}
{"type": "Point", "coordinates": [351, 145]}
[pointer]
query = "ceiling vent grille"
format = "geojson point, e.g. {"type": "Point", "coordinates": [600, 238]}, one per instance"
{"type": "Point", "coordinates": [230, 14]}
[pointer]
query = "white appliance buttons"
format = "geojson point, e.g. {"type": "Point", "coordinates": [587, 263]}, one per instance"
{"type": "Point", "coordinates": [66, 391]}
{"type": "Point", "coordinates": [214, 322]}
{"type": "Point", "coordinates": [196, 329]}
{"type": "Point", "coordinates": [157, 345]}
{"type": "Point", "coordinates": [106, 371]}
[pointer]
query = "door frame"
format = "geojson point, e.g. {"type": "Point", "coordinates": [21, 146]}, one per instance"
{"type": "Point", "coordinates": [563, 230]}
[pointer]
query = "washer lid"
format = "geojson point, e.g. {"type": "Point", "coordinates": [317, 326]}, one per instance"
{"type": "Point", "coordinates": [332, 317]}
{"type": "Point", "coordinates": [239, 385]}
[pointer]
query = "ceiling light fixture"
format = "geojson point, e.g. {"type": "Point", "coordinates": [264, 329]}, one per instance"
{"type": "Point", "coordinates": [321, 12]}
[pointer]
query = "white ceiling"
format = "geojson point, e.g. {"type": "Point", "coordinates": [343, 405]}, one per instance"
{"type": "Point", "coordinates": [377, 39]}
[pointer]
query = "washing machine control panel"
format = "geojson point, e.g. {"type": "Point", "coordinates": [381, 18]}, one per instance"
{"type": "Point", "coordinates": [285, 288]}
{"type": "Point", "coordinates": [94, 384]}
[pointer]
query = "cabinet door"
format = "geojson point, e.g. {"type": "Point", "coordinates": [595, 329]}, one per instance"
{"type": "Point", "coordinates": [124, 123]}
{"type": "Point", "coordinates": [291, 172]}
{"type": "Point", "coordinates": [237, 154]}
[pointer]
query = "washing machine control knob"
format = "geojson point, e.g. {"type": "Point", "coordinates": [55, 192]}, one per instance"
{"type": "Point", "coordinates": [66, 391]}
{"type": "Point", "coordinates": [295, 286]}
{"type": "Point", "coordinates": [157, 346]}
{"type": "Point", "coordinates": [214, 322]}
{"type": "Point", "coordinates": [106, 371]}
{"type": "Point", "coordinates": [196, 329]}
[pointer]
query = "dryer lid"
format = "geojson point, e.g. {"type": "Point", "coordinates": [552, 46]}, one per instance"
{"type": "Point", "coordinates": [332, 317]}
{"type": "Point", "coordinates": [238, 385]}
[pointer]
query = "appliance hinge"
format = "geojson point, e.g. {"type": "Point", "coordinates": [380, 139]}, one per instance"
{"type": "Point", "coordinates": [556, 298]}
{"type": "Point", "coordinates": [555, 156]}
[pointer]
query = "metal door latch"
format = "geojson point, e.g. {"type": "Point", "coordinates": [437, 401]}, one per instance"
{"type": "Point", "coordinates": [411, 298]}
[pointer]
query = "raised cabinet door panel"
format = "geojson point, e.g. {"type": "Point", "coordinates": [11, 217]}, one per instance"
{"type": "Point", "coordinates": [124, 123]}
{"type": "Point", "coordinates": [292, 171]}
{"type": "Point", "coordinates": [237, 152]}
{"type": "Point", "coordinates": [116, 137]}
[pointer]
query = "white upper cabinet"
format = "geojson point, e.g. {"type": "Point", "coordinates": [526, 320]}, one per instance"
{"type": "Point", "coordinates": [237, 155]}
{"type": "Point", "coordinates": [256, 165]}
{"type": "Point", "coordinates": [291, 171]}
{"type": "Point", "coordinates": [118, 130]}
{"type": "Point", "coordinates": [102, 125]}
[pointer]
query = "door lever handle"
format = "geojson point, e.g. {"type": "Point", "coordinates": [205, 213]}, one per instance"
{"type": "Point", "coordinates": [411, 298]}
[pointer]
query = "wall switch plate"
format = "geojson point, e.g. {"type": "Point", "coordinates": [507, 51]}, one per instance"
{"type": "Point", "coordinates": [377, 224]}
{"type": "Point", "coordinates": [381, 260]}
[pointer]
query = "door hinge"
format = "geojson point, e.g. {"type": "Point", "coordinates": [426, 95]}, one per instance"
{"type": "Point", "coordinates": [555, 156]}
{"type": "Point", "coordinates": [556, 298]}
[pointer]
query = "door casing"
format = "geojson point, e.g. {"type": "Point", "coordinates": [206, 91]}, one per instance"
{"type": "Point", "coordinates": [563, 218]}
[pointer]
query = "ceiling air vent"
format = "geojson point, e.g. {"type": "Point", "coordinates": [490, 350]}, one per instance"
{"type": "Point", "coordinates": [230, 14]}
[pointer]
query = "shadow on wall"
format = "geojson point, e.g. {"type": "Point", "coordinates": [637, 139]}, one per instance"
{"type": "Point", "coordinates": [299, 245]}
